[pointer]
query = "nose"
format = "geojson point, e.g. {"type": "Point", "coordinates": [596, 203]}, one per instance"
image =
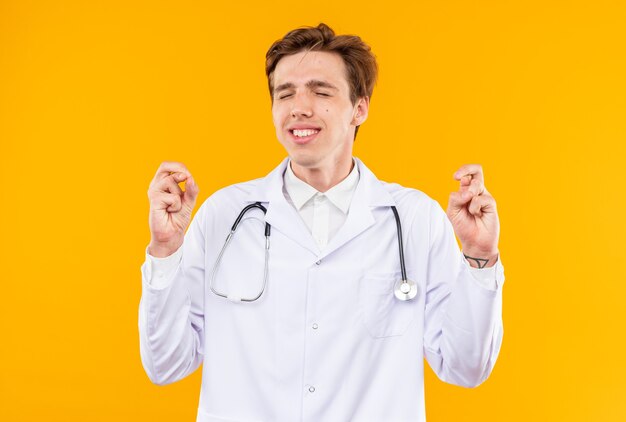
{"type": "Point", "coordinates": [301, 106]}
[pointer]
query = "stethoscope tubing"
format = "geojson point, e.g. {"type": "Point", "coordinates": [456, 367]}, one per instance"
{"type": "Point", "coordinates": [227, 242]}
{"type": "Point", "coordinates": [400, 245]}
{"type": "Point", "coordinates": [406, 290]}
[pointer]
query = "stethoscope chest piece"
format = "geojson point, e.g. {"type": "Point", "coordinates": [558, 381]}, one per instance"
{"type": "Point", "coordinates": [405, 290]}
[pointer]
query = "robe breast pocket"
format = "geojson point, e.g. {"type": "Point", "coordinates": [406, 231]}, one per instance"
{"type": "Point", "coordinates": [382, 313]}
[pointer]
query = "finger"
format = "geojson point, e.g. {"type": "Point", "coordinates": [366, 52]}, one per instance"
{"type": "Point", "coordinates": [167, 201]}
{"type": "Point", "coordinates": [456, 202]}
{"type": "Point", "coordinates": [475, 171]}
{"type": "Point", "coordinates": [170, 184]}
{"type": "Point", "coordinates": [466, 180]}
{"type": "Point", "coordinates": [191, 192]}
{"type": "Point", "coordinates": [475, 188]}
{"type": "Point", "coordinates": [482, 204]}
{"type": "Point", "coordinates": [168, 167]}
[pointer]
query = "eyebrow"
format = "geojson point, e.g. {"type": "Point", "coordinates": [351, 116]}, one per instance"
{"type": "Point", "coordinates": [314, 83]}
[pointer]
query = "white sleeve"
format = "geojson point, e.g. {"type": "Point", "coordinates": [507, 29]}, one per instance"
{"type": "Point", "coordinates": [463, 317]}
{"type": "Point", "coordinates": [486, 277]}
{"type": "Point", "coordinates": [171, 316]}
{"type": "Point", "coordinates": [161, 271]}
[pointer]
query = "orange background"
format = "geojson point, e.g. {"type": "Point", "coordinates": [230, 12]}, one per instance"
{"type": "Point", "coordinates": [94, 95]}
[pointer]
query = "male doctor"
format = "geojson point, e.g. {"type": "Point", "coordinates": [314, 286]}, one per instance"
{"type": "Point", "coordinates": [316, 332]}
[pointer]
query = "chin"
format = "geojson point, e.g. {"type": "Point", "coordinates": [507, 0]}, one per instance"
{"type": "Point", "coordinates": [304, 161]}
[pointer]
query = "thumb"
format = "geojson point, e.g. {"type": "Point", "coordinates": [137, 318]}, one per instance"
{"type": "Point", "coordinates": [191, 192]}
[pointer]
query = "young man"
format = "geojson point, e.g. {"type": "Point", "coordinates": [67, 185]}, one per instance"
{"type": "Point", "coordinates": [309, 318]}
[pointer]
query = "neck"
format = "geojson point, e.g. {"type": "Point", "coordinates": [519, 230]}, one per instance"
{"type": "Point", "coordinates": [323, 179]}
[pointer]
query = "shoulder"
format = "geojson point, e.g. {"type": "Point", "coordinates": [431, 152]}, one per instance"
{"type": "Point", "coordinates": [408, 201]}
{"type": "Point", "coordinates": [228, 201]}
{"type": "Point", "coordinates": [238, 192]}
{"type": "Point", "coordinates": [411, 199]}
{"type": "Point", "coordinates": [420, 213]}
{"type": "Point", "coordinates": [255, 190]}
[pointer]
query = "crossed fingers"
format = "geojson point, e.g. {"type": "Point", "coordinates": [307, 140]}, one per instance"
{"type": "Point", "coordinates": [472, 192]}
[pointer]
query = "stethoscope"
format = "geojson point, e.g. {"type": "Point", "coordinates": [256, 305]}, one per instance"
{"type": "Point", "coordinates": [404, 289]}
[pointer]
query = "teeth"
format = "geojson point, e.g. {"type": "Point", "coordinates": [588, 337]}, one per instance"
{"type": "Point", "coordinates": [305, 132]}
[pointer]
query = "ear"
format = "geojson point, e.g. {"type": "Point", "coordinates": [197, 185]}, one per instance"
{"type": "Point", "coordinates": [361, 110]}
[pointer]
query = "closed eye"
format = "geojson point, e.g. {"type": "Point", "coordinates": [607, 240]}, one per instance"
{"type": "Point", "coordinates": [323, 94]}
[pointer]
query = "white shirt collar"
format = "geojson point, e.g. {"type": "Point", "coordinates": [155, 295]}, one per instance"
{"type": "Point", "coordinates": [339, 195]}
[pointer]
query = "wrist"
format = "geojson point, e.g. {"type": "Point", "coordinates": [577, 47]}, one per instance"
{"type": "Point", "coordinates": [481, 259]}
{"type": "Point", "coordinates": [164, 249]}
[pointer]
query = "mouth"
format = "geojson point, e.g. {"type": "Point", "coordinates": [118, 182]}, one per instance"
{"type": "Point", "coordinates": [303, 136]}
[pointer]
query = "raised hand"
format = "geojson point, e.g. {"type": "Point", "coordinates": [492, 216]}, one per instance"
{"type": "Point", "coordinates": [170, 207]}
{"type": "Point", "coordinates": [474, 217]}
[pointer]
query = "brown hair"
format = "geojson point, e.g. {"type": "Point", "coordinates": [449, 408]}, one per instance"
{"type": "Point", "coordinates": [357, 56]}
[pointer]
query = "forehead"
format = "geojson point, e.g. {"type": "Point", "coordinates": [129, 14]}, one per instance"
{"type": "Point", "coordinates": [301, 67]}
